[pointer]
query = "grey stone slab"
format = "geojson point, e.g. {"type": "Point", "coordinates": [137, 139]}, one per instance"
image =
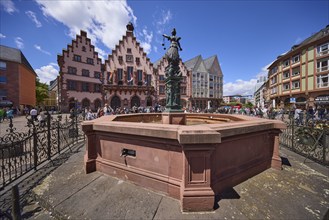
{"type": "Point", "coordinates": [170, 209]}
{"type": "Point", "coordinates": [110, 198]}
{"type": "Point", "coordinates": [299, 191]}
{"type": "Point", "coordinates": [64, 182]}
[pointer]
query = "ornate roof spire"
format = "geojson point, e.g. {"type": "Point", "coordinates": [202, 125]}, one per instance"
{"type": "Point", "coordinates": [130, 27]}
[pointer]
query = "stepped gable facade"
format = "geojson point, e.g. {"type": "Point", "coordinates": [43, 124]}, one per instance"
{"type": "Point", "coordinates": [185, 89]}
{"type": "Point", "coordinates": [129, 75]}
{"type": "Point", "coordinates": [80, 73]}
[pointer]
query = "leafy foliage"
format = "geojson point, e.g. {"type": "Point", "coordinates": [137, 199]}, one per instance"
{"type": "Point", "coordinates": [41, 91]}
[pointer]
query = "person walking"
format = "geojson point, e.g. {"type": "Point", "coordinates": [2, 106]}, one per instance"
{"type": "Point", "coordinates": [2, 112]}
{"type": "Point", "coordinates": [10, 113]}
{"type": "Point", "coordinates": [107, 110]}
{"type": "Point", "coordinates": [34, 114]}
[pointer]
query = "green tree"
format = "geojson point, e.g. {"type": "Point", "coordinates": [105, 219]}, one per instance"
{"type": "Point", "coordinates": [249, 105]}
{"type": "Point", "coordinates": [41, 91]}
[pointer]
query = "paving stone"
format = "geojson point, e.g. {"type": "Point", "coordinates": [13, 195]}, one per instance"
{"type": "Point", "coordinates": [299, 191]}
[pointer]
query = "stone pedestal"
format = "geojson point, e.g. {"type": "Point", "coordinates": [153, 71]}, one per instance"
{"type": "Point", "coordinates": [276, 162]}
{"type": "Point", "coordinates": [91, 151]}
{"type": "Point", "coordinates": [196, 193]}
{"type": "Point", "coordinates": [175, 118]}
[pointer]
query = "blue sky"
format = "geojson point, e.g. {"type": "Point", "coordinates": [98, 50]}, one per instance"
{"type": "Point", "coordinates": [245, 35]}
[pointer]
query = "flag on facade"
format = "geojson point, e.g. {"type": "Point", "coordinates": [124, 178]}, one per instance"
{"type": "Point", "coordinates": [131, 77]}
{"type": "Point", "coordinates": [109, 73]}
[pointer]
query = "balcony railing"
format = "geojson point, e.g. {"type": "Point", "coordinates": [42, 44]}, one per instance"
{"type": "Point", "coordinates": [322, 69]}
{"type": "Point", "coordinates": [323, 85]}
{"type": "Point", "coordinates": [322, 53]}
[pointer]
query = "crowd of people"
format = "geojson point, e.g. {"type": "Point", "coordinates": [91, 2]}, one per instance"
{"type": "Point", "coordinates": [299, 114]}
{"type": "Point", "coordinates": [6, 113]}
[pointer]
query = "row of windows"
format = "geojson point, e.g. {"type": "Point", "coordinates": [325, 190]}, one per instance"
{"type": "Point", "coordinates": [294, 85]}
{"type": "Point", "coordinates": [322, 66]}
{"type": "Point", "coordinates": [84, 72]}
{"type": "Point", "coordinates": [294, 72]}
{"type": "Point", "coordinates": [129, 59]}
{"type": "Point", "coordinates": [321, 50]}
{"type": "Point", "coordinates": [293, 60]}
{"type": "Point", "coordinates": [77, 58]}
{"type": "Point", "coordinates": [322, 81]}
{"type": "Point", "coordinates": [130, 73]}
{"type": "Point", "coordinates": [83, 86]}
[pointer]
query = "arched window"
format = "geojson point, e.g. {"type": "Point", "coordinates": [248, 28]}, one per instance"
{"type": "Point", "coordinates": [85, 103]}
{"type": "Point", "coordinates": [149, 101]}
{"type": "Point", "coordinates": [97, 104]}
{"type": "Point", "coordinates": [115, 102]}
{"type": "Point", "coordinates": [135, 101]}
{"type": "Point", "coordinates": [162, 102]}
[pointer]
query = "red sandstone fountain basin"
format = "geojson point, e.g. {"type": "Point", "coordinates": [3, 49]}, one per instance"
{"type": "Point", "coordinates": [192, 160]}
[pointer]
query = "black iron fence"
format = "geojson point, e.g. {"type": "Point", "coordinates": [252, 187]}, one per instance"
{"type": "Point", "coordinates": [310, 140]}
{"type": "Point", "coordinates": [23, 152]}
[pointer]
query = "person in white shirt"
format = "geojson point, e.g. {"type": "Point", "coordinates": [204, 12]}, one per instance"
{"type": "Point", "coordinates": [107, 109]}
{"type": "Point", "coordinates": [34, 114]}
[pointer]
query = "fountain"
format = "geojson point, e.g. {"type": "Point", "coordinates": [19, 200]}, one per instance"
{"type": "Point", "coordinates": [187, 156]}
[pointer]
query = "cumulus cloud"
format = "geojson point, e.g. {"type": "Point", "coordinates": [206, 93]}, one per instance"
{"type": "Point", "coordinates": [104, 21]}
{"type": "Point", "coordinates": [240, 87]}
{"type": "Point", "coordinates": [245, 87]}
{"type": "Point", "coordinates": [19, 43]}
{"type": "Point", "coordinates": [33, 17]}
{"type": "Point", "coordinates": [145, 38]}
{"type": "Point", "coordinates": [41, 50]}
{"type": "Point", "coordinates": [161, 19]}
{"type": "Point", "coordinates": [47, 73]}
{"type": "Point", "coordinates": [8, 6]}
{"type": "Point", "coordinates": [2, 36]}
{"type": "Point", "coordinates": [101, 53]}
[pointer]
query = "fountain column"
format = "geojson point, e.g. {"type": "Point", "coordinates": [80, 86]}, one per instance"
{"type": "Point", "coordinates": [173, 113]}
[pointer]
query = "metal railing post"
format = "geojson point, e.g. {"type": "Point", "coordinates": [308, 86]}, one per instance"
{"type": "Point", "coordinates": [15, 203]}
{"type": "Point", "coordinates": [35, 147]}
{"type": "Point", "coordinates": [292, 132]}
{"type": "Point", "coordinates": [58, 135]}
{"type": "Point", "coordinates": [76, 127]}
{"type": "Point", "coordinates": [48, 136]}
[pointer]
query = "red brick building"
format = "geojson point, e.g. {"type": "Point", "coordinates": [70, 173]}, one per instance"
{"type": "Point", "coordinates": [17, 79]}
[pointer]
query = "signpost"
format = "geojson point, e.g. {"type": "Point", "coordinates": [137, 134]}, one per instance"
{"type": "Point", "coordinates": [292, 100]}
